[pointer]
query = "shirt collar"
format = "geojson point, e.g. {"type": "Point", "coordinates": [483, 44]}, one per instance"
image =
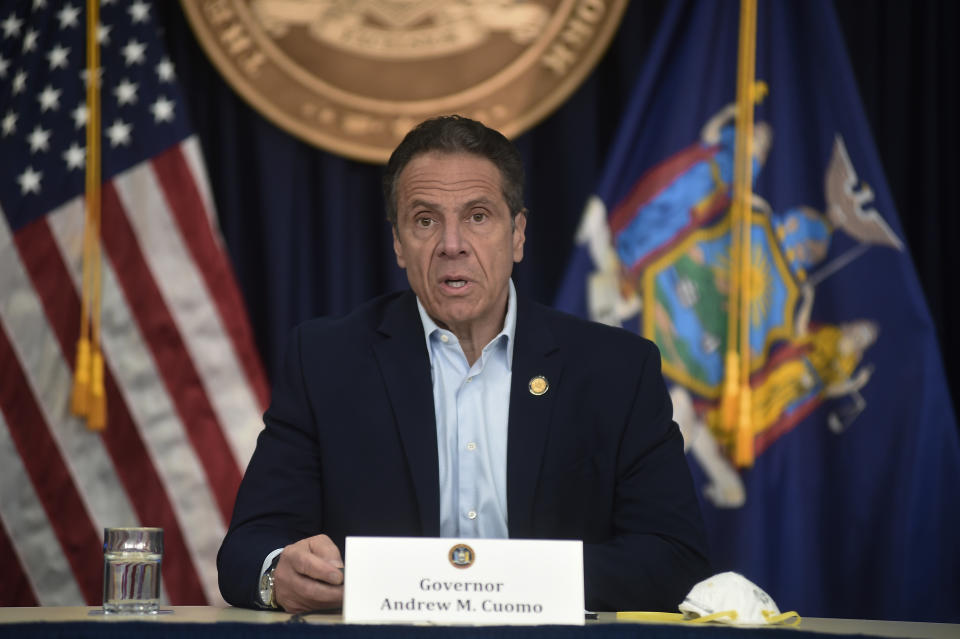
{"type": "Point", "coordinates": [509, 324]}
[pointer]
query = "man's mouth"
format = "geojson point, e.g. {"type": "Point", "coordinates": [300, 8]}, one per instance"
{"type": "Point", "coordinates": [455, 283]}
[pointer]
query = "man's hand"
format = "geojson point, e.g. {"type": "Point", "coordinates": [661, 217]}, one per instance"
{"type": "Point", "coordinates": [309, 575]}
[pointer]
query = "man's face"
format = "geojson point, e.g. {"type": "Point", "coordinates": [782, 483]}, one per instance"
{"type": "Point", "coordinates": [455, 239]}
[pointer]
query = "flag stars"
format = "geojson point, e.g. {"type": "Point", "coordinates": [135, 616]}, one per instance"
{"type": "Point", "coordinates": [58, 57]}
{"type": "Point", "coordinates": [162, 110]}
{"type": "Point", "coordinates": [68, 17]}
{"type": "Point", "coordinates": [103, 34]}
{"type": "Point", "coordinates": [119, 133]}
{"type": "Point", "coordinates": [126, 92]}
{"type": "Point", "coordinates": [39, 139]}
{"type": "Point", "coordinates": [30, 40]}
{"type": "Point", "coordinates": [39, 4]}
{"type": "Point", "coordinates": [133, 53]}
{"type": "Point", "coordinates": [4, 66]}
{"type": "Point", "coordinates": [79, 116]}
{"type": "Point", "coordinates": [49, 99]}
{"type": "Point", "coordinates": [8, 124]}
{"type": "Point", "coordinates": [19, 82]}
{"type": "Point", "coordinates": [29, 181]}
{"type": "Point", "coordinates": [139, 12]}
{"type": "Point", "coordinates": [75, 157]}
{"type": "Point", "coordinates": [11, 26]}
{"type": "Point", "coordinates": [165, 70]}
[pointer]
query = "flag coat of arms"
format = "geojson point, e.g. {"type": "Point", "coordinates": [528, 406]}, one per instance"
{"type": "Point", "coordinates": [836, 491]}
{"type": "Point", "coordinates": [183, 384]}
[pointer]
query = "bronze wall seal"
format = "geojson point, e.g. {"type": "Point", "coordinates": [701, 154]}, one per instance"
{"type": "Point", "coordinates": [353, 76]}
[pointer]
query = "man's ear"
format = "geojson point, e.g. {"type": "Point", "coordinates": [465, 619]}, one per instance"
{"type": "Point", "coordinates": [519, 234]}
{"type": "Point", "coordinates": [398, 249]}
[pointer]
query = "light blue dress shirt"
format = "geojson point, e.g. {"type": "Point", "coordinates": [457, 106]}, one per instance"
{"type": "Point", "coordinates": [472, 405]}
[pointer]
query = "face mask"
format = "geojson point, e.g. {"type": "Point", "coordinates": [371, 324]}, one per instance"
{"type": "Point", "coordinates": [732, 598]}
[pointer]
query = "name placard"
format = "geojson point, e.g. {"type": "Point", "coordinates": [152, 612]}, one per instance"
{"type": "Point", "coordinates": [473, 581]}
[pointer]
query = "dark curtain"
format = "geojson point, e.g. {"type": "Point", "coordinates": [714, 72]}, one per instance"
{"type": "Point", "coordinates": [306, 231]}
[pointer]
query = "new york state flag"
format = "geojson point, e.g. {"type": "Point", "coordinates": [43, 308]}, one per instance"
{"type": "Point", "coordinates": [834, 485]}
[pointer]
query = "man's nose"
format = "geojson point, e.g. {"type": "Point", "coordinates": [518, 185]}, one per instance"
{"type": "Point", "coordinates": [452, 242]}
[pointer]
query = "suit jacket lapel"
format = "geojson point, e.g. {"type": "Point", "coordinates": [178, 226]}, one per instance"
{"type": "Point", "coordinates": [535, 353]}
{"type": "Point", "coordinates": [405, 365]}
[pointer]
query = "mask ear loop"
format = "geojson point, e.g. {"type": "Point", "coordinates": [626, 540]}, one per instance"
{"type": "Point", "coordinates": [674, 617]}
{"type": "Point", "coordinates": [781, 619]}
{"type": "Point", "coordinates": [730, 614]}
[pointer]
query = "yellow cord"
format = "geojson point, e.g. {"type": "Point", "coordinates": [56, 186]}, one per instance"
{"type": "Point", "coordinates": [89, 398]}
{"type": "Point", "coordinates": [735, 403]}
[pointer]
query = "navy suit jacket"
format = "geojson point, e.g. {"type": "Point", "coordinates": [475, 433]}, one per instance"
{"type": "Point", "coordinates": [350, 448]}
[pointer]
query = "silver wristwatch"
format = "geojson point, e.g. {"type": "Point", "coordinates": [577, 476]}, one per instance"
{"type": "Point", "coordinates": [268, 597]}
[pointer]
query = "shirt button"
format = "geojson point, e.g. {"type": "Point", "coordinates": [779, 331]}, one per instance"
{"type": "Point", "coordinates": [471, 446]}
{"type": "Point", "coordinates": [469, 379]}
{"type": "Point", "coordinates": [444, 339]}
{"type": "Point", "coordinates": [472, 514]}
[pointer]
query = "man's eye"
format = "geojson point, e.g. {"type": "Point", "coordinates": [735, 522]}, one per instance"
{"type": "Point", "coordinates": [479, 217]}
{"type": "Point", "coordinates": [424, 222]}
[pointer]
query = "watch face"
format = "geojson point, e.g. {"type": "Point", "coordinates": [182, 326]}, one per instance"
{"type": "Point", "coordinates": [266, 589]}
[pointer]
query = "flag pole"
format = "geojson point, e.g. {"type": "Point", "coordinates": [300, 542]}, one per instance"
{"type": "Point", "coordinates": [88, 397]}
{"type": "Point", "coordinates": [736, 400]}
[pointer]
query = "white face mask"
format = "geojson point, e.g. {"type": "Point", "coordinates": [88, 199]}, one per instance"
{"type": "Point", "coordinates": [732, 598]}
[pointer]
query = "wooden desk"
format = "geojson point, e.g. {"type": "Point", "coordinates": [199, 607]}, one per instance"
{"type": "Point", "coordinates": [212, 614]}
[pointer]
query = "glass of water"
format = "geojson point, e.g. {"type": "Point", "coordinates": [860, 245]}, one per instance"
{"type": "Point", "coordinates": [131, 570]}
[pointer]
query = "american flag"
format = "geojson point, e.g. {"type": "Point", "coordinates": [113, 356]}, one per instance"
{"type": "Point", "coordinates": [184, 385]}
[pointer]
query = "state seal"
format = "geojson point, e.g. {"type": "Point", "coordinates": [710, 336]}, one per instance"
{"type": "Point", "coordinates": [353, 76]}
{"type": "Point", "coordinates": [461, 556]}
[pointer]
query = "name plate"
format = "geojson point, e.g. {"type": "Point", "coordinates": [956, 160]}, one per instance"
{"type": "Point", "coordinates": [475, 581]}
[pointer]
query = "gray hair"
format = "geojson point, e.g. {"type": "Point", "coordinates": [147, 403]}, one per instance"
{"type": "Point", "coordinates": [456, 134]}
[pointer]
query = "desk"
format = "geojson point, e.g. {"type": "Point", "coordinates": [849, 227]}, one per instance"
{"type": "Point", "coordinates": [209, 622]}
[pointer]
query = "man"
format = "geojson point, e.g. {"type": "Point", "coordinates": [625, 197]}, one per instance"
{"type": "Point", "coordinates": [461, 410]}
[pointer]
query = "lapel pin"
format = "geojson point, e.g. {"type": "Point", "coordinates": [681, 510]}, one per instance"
{"type": "Point", "coordinates": [538, 385]}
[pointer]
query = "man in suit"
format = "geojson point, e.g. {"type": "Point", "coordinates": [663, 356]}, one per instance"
{"type": "Point", "coordinates": [458, 409]}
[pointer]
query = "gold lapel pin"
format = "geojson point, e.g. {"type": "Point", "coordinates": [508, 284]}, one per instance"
{"type": "Point", "coordinates": [538, 385]}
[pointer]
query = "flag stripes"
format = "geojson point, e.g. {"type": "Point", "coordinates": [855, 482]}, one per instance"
{"type": "Point", "coordinates": [49, 371]}
{"type": "Point", "coordinates": [194, 286]}
{"type": "Point", "coordinates": [190, 150]}
{"type": "Point", "coordinates": [165, 458]}
{"type": "Point", "coordinates": [43, 565]}
{"type": "Point", "coordinates": [172, 169]}
{"type": "Point", "coordinates": [14, 587]}
{"type": "Point", "coordinates": [47, 471]}
{"type": "Point", "coordinates": [166, 344]}
{"type": "Point", "coordinates": [152, 392]}
{"type": "Point", "coordinates": [183, 384]}
{"type": "Point", "coordinates": [134, 467]}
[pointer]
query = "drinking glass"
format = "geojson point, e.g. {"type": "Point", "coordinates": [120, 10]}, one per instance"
{"type": "Point", "coordinates": [131, 570]}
